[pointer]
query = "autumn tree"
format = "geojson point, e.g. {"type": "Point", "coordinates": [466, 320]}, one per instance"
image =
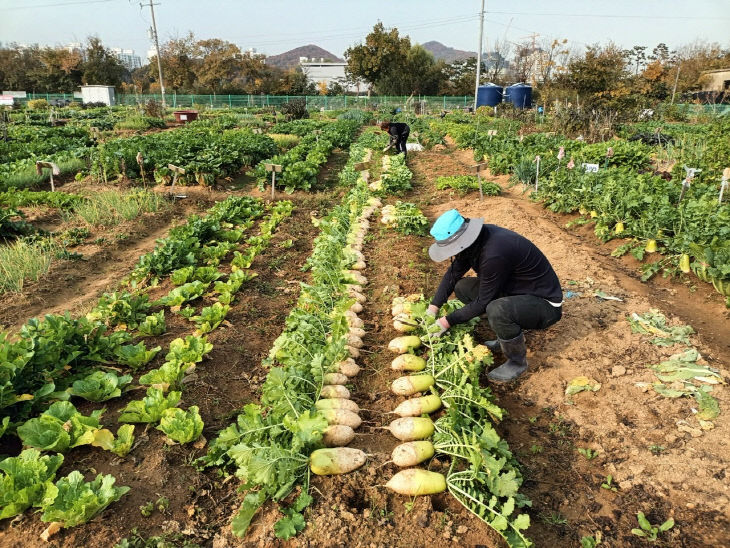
{"type": "Point", "coordinates": [178, 63]}
{"type": "Point", "coordinates": [417, 73]}
{"type": "Point", "coordinates": [218, 65]}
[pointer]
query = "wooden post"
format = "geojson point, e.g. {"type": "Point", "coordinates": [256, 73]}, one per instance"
{"type": "Point", "coordinates": [317, 133]}
{"type": "Point", "coordinates": [479, 168]}
{"type": "Point", "coordinates": [49, 165]}
{"type": "Point", "coordinates": [274, 169]}
{"type": "Point", "coordinates": [537, 170]}
{"type": "Point", "coordinates": [140, 162]}
{"type": "Point", "coordinates": [177, 171]}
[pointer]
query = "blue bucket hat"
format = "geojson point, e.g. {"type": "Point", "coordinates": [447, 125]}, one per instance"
{"type": "Point", "coordinates": [453, 234]}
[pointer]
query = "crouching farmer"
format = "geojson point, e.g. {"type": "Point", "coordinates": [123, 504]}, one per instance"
{"type": "Point", "coordinates": [516, 287]}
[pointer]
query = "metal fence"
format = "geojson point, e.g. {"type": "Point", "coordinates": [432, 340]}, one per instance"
{"type": "Point", "coordinates": [256, 101]}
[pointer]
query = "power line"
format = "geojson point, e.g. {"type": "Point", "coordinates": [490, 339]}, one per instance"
{"type": "Point", "coordinates": [605, 15]}
{"type": "Point", "coordinates": [77, 2]}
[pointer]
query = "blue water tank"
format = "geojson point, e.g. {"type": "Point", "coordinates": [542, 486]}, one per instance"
{"type": "Point", "coordinates": [520, 95]}
{"type": "Point", "coordinates": [489, 95]}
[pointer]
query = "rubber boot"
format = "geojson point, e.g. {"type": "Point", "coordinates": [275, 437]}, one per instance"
{"type": "Point", "coordinates": [493, 345]}
{"type": "Point", "coordinates": [516, 364]}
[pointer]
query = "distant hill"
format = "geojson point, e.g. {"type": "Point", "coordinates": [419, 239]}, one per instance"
{"type": "Point", "coordinates": [449, 55]}
{"type": "Point", "coordinates": [291, 58]}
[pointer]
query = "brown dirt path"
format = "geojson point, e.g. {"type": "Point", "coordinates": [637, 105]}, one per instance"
{"type": "Point", "coordinates": [685, 475]}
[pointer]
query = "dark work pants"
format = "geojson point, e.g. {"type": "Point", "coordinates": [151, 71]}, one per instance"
{"type": "Point", "coordinates": [508, 316]}
{"type": "Point", "coordinates": [400, 143]}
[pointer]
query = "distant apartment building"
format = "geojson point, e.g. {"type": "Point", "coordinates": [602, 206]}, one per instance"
{"type": "Point", "coordinates": [127, 57]}
{"type": "Point", "coordinates": [327, 72]}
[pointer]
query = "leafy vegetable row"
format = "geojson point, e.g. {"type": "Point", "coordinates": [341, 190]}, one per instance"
{"type": "Point", "coordinates": [270, 444]}
{"type": "Point", "coordinates": [301, 164]}
{"type": "Point", "coordinates": [483, 475]}
{"type": "Point", "coordinates": [205, 153]}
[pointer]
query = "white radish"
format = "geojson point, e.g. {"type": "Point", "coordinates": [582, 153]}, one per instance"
{"type": "Point", "coordinates": [408, 362]}
{"type": "Point", "coordinates": [401, 345]}
{"type": "Point", "coordinates": [337, 435]}
{"type": "Point", "coordinates": [335, 378]}
{"type": "Point", "coordinates": [415, 481]}
{"type": "Point", "coordinates": [357, 332]}
{"type": "Point", "coordinates": [411, 384]}
{"type": "Point", "coordinates": [348, 367]}
{"type": "Point", "coordinates": [353, 340]}
{"type": "Point", "coordinates": [412, 453]}
{"type": "Point", "coordinates": [412, 428]}
{"type": "Point", "coordinates": [337, 403]}
{"type": "Point", "coordinates": [335, 391]}
{"type": "Point", "coordinates": [418, 406]}
{"type": "Point", "coordinates": [356, 308]}
{"type": "Point", "coordinates": [342, 416]}
{"type": "Point", "coordinates": [354, 352]}
{"type": "Point", "coordinates": [339, 460]}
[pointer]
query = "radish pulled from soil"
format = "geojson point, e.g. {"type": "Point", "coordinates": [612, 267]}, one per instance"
{"type": "Point", "coordinates": [356, 308]}
{"type": "Point", "coordinates": [401, 345]}
{"type": "Point", "coordinates": [339, 460]}
{"type": "Point", "coordinates": [348, 367]}
{"type": "Point", "coordinates": [412, 453]}
{"type": "Point", "coordinates": [411, 428]}
{"type": "Point", "coordinates": [411, 384]}
{"type": "Point", "coordinates": [342, 416]}
{"type": "Point", "coordinates": [414, 482]}
{"type": "Point", "coordinates": [337, 435]}
{"type": "Point", "coordinates": [402, 327]}
{"type": "Point", "coordinates": [335, 378]}
{"type": "Point", "coordinates": [418, 406]}
{"type": "Point", "coordinates": [334, 391]}
{"type": "Point", "coordinates": [337, 403]}
{"type": "Point", "coordinates": [408, 362]}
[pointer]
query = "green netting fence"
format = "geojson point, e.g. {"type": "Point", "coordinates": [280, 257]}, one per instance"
{"type": "Point", "coordinates": [313, 101]}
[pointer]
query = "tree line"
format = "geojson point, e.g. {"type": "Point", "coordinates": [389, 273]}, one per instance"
{"type": "Point", "coordinates": [386, 63]}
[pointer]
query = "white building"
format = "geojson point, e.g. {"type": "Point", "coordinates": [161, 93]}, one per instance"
{"type": "Point", "coordinates": [321, 71]}
{"type": "Point", "coordinates": [127, 57]}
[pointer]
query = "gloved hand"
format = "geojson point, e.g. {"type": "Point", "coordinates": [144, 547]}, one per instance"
{"type": "Point", "coordinates": [432, 310]}
{"type": "Point", "coordinates": [440, 327]}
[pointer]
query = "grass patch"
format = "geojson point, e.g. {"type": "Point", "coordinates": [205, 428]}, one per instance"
{"type": "Point", "coordinates": [22, 261]}
{"type": "Point", "coordinates": [28, 177]}
{"type": "Point", "coordinates": [141, 123]}
{"type": "Point", "coordinates": [111, 208]}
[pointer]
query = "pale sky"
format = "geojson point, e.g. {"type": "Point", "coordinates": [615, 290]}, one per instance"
{"type": "Point", "coordinates": [274, 26]}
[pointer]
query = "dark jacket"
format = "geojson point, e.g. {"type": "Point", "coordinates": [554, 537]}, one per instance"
{"type": "Point", "coordinates": [398, 130]}
{"type": "Point", "coordinates": [506, 264]}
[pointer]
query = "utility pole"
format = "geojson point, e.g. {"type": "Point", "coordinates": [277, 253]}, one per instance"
{"type": "Point", "coordinates": [157, 49]}
{"type": "Point", "coordinates": [676, 81]}
{"type": "Point", "coordinates": [479, 54]}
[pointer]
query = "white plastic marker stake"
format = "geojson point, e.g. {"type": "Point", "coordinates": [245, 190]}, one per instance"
{"type": "Point", "coordinates": [724, 183]}
{"type": "Point", "coordinates": [690, 171]}
{"type": "Point", "coordinates": [561, 155]}
{"type": "Point", "coordinates": [537, 170]}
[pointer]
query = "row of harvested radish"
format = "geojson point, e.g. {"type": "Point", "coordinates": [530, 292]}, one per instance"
{"type": "Point", "coordinates": [413, 429]}
{"type": "Point", "coordinates": [335, 402]}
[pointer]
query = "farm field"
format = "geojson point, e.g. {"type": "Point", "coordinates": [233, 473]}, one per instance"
{"type": "Point", "coordinates": [228, 267]}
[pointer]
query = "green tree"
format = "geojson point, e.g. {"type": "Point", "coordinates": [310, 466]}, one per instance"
{"type": "Point", "coordinates": [382, 54]}
{"type": "Point", "coordinates": [417, 73]}
{"type": "Point", "coordinates": [101, 66]}
{"type": "Point", "coordinates": [599, 76]}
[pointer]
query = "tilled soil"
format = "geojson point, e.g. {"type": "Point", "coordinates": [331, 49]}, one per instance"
{"type": "Point", "coordinates": [660, 461]}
